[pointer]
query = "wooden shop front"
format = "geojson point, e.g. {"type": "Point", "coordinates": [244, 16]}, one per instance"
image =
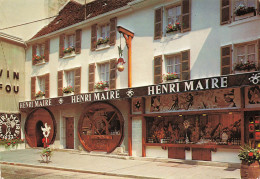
{"type": "Point", "coordinates": [199, 117]}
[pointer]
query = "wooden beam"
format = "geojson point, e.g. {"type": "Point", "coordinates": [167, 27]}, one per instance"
{"type": "Point", "coordinates": [130, 128]}
{"type": "Point", "coordinates": [128, 35]}
{"type": "Point", "coordinates": [125, 31]}
{"type": "Point", "coordinates": [143, 129]}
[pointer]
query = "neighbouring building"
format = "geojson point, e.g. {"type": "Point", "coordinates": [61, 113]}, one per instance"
{"type": "Point", "coordinates": [172, 79]}
{"type": "Point", "coordinates": [12, 63]}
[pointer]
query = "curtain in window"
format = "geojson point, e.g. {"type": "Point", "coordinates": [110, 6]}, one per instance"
{"type": "Point", "coordinates": [70, 78]}
{"type": "Point", "coordinates": [42, 84]}
{"type": "Point", "coordinates": [104, 72]}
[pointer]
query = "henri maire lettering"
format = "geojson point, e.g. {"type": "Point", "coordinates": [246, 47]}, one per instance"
{"type": "Point", "coordinates": [160, 89]}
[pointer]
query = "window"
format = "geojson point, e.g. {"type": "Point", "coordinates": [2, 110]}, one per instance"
{"type": "Point", "coordinates": [246, 53]}
{"type": "Point", "coordinates": [41, 84]}
{"type": "Point", "coordinates": [40, 49]}
{"type": "Point", "coordinates": [246, 3]}
{"type": "Point", "coordinates": [69, 78]}
{"type": "Point", "coordinates": [103, 36]}
{"type": "Point", "coordinates": [174, 15]}
{"type": "Point", "coordinates": [104, 72]}
{"type": "Point", "coordinates": [173, 64]}
{"type": "Point", "coordinates": [239, 58]}
{"type": "Point", "coordinates": [104, 31]}
{"type": "Point", "coordinates": [70, 41]}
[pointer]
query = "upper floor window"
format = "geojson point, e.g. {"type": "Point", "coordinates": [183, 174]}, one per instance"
{"type": "Point", "coordinates": [69, 78]}
{"type": "Point", "coordinates": [40, 49]}
{"type": "Point", "coordinates": [173, 65]}
{"type": "Point", "coordinates": [40, 52]}
{"type": "Point", "coordinates": [176, 17]}
{"type": "Point", "coordinates": [104, 72]}
{"type": "Point", "coordinates": [176, 66]}
{"type": "Point", "coordinates": [40, 86]}
{"type": "Point", "coordinates": [103, 34]}
{"type": "Point", "coordinates": [242, 59]}
{"type": "Point", "coordinates": [173, 19]}
{"type": "Point", "coordinates": [237, 10]}
{"type": "Point", "coordinates": [70, 44]}
{"type": "Point", "coordinates": [70, 41]}
{"type": "Point", "coordinates": [69, 81]}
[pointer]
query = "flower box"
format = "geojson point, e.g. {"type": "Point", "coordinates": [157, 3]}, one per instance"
{"type": "Point", "coordinates": [170, 77]}
{"type": "Point", "coordinates": [244, 16]}
{"type": "Point", "coordinates": [68, 55]}
{"type": "Point", "coordinates": [173, 28]}
{"type": "Point", "coordinates": [68, 90]}
{"type": "Point", "coordinates": [102, 85]}
{"type": "Point", "coordinates": [40, 95]}
{"type": "Point", "coordinates": [68, 94]}
{"type": "Point", "coordinates": [11, 144]}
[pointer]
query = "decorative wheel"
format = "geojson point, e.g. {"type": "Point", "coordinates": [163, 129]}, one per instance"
{"type": "Point", "coordinates": [100, 128]}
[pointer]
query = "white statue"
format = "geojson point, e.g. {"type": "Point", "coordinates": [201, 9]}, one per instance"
{"type": "Point", "coordinates": [46, 131]}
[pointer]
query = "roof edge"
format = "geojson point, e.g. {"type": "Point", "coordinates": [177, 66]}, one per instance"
{"type": "Point", "coordinates": [12, 39]}
{"type": "Point", "coordinates": [83, 23]}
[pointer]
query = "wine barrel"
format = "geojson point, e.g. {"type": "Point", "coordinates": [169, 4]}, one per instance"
{"type": "Point", "coordinates": [250, 171]}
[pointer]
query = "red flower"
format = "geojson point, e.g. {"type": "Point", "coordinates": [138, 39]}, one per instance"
{"type": "Point", "coordinates": [9, 143]}
{"type": "Point", "coordinates": [250, 154]}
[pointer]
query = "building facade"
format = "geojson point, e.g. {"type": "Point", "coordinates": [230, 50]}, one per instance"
{"type": "Point", "coordinates": [171, 79]}
{"type": "Point", "coordinates": [12, 55]}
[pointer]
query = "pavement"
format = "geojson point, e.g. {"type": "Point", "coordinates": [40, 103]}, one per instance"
{"type": "Point", "coordinates": [121, 166]}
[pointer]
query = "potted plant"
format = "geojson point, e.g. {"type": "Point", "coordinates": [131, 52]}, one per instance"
{"type": "Point", "coordinates": [46, 154]}
{"type": "Point", "coordinates": [241, 9]}
{"type": "Point", "coordinates": [69, 50]}
{"type": "Point", "coordinates": [250, 158]}
{"type": "Point", "coordinates": [170, 76]}
{"type": "Point", "coordinates": [38, 59]}
{"type": "Point", "coordinates": [11, 143]}
{"type": "Point", "coordinates": [103, 85]}
{"type": "Point", "coordinates": [102, 40]}
{"type": "Point", "coordinates": [39, 94]}
{"type": "Point", "coordinates": [247, 66]}
{"type": "Point", "coordinates": [68, 90]}
{"type": "Point", "coordinates": [173, 27]}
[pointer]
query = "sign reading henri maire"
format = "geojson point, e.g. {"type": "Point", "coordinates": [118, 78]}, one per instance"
{"type": "Point", "coordinates": [152, 90]}
{"type": "Point", "coordinates": [8, 87]}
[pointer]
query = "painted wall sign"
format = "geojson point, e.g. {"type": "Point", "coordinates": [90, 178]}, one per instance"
{"type": "Point", "coordinates": [220, 82]}
{"type": "Point", "coordinates": [10, 126]}
{"type": "Point", "coordinates": [223, 98]}
{"type": "Point", "coordinates": [8, 87]}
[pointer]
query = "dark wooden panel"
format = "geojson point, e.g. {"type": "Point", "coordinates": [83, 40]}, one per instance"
{"type": "Point", "coordinates": [70, 133]}
{"type": "Point", "coordinates": [176, 152]}
{"type": "Point", "coordinates": [201, 154]}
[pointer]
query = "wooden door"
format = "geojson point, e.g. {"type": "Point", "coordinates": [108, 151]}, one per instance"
{"type": "Point", "coordinates": [201, 154]}
{"type": "Point", "coordinates": [176, 152]}
{"type": "Point", "coordinates": [70, 133]}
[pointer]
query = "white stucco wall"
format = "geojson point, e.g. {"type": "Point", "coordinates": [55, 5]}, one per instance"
{"type": "Point", "coordinates": [225, 155]}
{"type": "Point", "coordinates": [204, 41]}
{"type": "Point", "coordinates": [157, 152]}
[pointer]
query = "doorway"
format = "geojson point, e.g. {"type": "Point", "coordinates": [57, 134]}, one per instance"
{"type": "Point", "coordinates": [39, 134]}
{"type": "Point", "coordinates": [69, 133]}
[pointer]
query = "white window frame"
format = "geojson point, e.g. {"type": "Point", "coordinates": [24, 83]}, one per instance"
{"type": "Point", "coordinates": [69, 76]}
{"type": "Point", "coordinates": [104, 71]}
{"type": "Point", "coordinates": [173, 65]}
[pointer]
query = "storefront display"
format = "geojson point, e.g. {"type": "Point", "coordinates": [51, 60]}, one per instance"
{"type": "Point", "coordinates": [213, 129]}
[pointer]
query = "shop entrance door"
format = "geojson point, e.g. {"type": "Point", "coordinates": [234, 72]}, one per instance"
{"type": "Point", "coordinates": [39, 134]}
{"type": "Point", "coordinates": [69, 133]}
